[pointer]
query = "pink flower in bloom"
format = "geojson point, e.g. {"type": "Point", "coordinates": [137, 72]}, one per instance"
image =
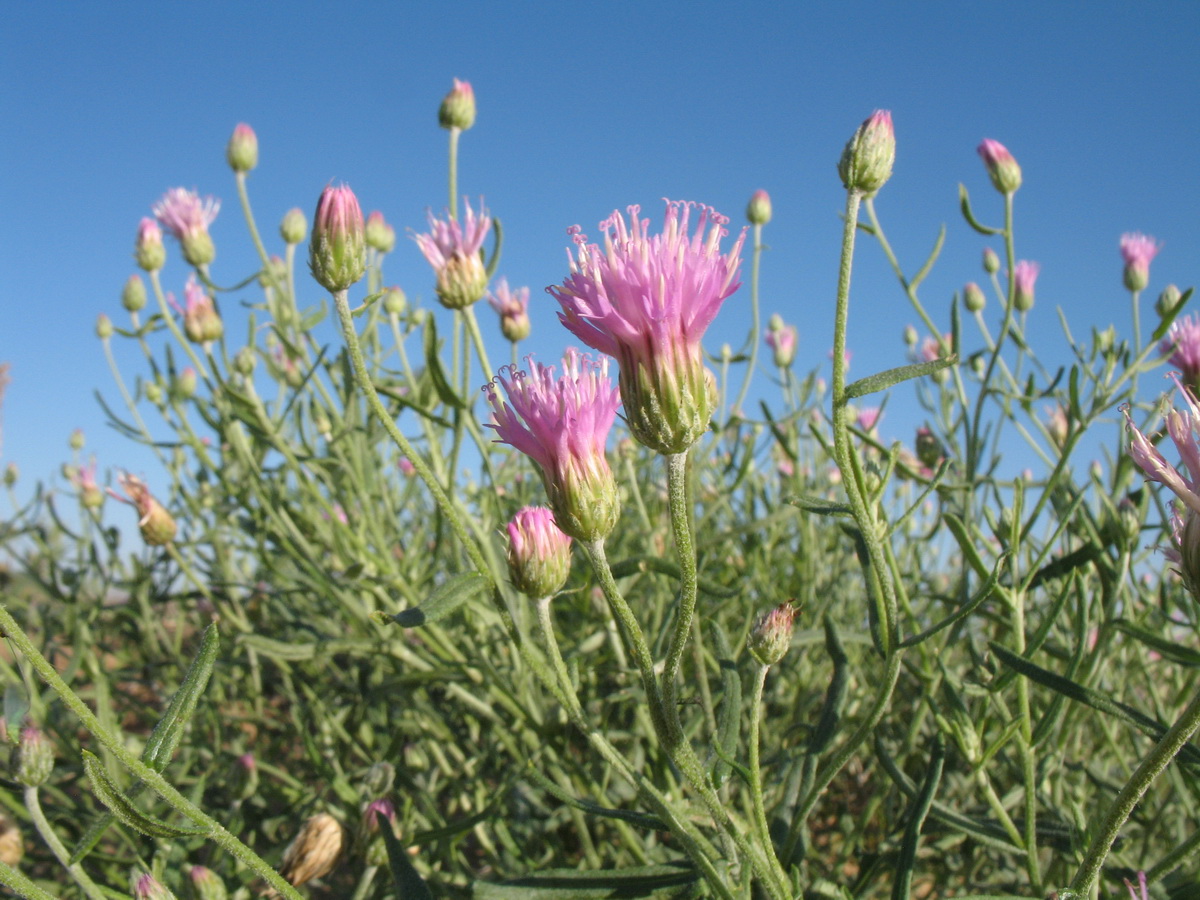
{"type": "Point", "coordinates": [1138, 250]}
{"type": "Point", "coordinates": [512, 306]}
{"type": "Point", "coordinates": [186, 216]}
{"type": "Point", "coordinates": [1025, 275]}
{"type": "Point", "coordinates": [932, 348]}
{"type": "Point", "coordinates": [453, 248]}
{"type": "Point", "coordinates": [201, 323]}
{"type": "Point", "coordinates": [868, 418]}
{"type": "Point", "coordinates": [647, 300]}
{"type": "Point", "coordinates": [562, 425]}
{"type": "Point", "coordinates": [1183, 343]}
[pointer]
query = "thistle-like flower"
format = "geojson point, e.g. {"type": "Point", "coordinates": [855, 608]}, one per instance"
{"type": "Point", "coordinates": [84, 479]}
{"type": "Point", "coordinates": [539, 554]}
{"type": "Point", "coordinates": [513, 308]}
{"type": "Point", "coordinates": [1138, 250]}
{"type": "Point", "coordinates": [186, 216]}
{"type": "Point", "coordinates": [1183, 344]}
{"type": "Point", "coordinates": [148, 248]}
{"type": "Point", "coordinates": [155, 523]}
{"type": "Point", "coordinates": [1025, 275]}
{"type": "Point", "coordinates": [458, 107]}
{"type": "Point", "coordinates": [337, 253]}
{"type": "Point", "coordinates": [1000, 165]}
{"type": "Point", "coordinates": [646, 301]}
{"type": "Point", "coordinates": [454, 249]}
{"type": "Point", "coordinates": [147, 887]}
{"type": "Point", "coordinates": [201, 323]}
{"type": "Point", "coordinates": [771, 636]}
{"type": "Point", "coordinates": [562, 425]}
{"type": "Point", "coordinates": [1183, 426]}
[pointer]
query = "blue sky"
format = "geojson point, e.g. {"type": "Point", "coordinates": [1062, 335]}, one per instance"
{"type": "Point", "coordinates": [583, 108]}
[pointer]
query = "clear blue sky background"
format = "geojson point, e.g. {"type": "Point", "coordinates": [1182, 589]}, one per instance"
{"type": "Point", "coordinates": [583, 108]}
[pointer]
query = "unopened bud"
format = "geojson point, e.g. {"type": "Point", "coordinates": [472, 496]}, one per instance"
{"type": "Point", "coordinates": [991, 262]}
{"type": "Point", "coordinates": [771, 636]}
{"type": "Point", "coordinates": [77, 441]}
{"type": "Point", "coordinates": [294, 226]}
{"type": "Point", "coordinates": [1000, 165]}
{"type": "Point", "coordinates": [539, 554]}
{"type": "Point", "coordinates": [929, 449]}
{"type": "Point", "coordinates": [104, 327]}
{"type": "Point", "coordinates": [1167, 301]}
{"type": "Point", "coordinates": [11, 474]}
{"type": "Point", "coordinates": [758, 210]}
{"type": "Point", "coordinates": [867, 159]}
{"type": "Point", "coordinates": [910, 336]}
{"type": "Point", "coordinates": [244, 361]}
{"type": "Point", "coordinates": [133, 295]}
{"type": "Point", "coordinates": [337, 252]}
{"type": "Point", "coordinates": [147, 887]}
{"type": "Point", "coordinates": [458, 107]}
{"type": "Point", "coordinates": [394, 301]}
{"type": "Point", "coordinates": [379, 779]}
{"type": "Point", "coordinates": [1025, 274]}
{"type": "Point", "coordinates": [207, 884]}
{"type": "Point", "coordinates": [242, 152]}
{"type": "Point", "coordinates": [153, 392]}
{"type": "Point", "coordinates": [184, 386]}
{"type": "Point", "coordinates": [379, 234]}
{"type": "Point", "coordinates": [148, 249]}
{"type": "Point", "coordinates": [34, 758]}
{"type": "Point", "coordinates": [973, 297]}
{"type": "Point", "coordinates": [275, 272]}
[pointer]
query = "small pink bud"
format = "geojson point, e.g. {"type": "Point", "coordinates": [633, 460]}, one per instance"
{"type": "Point", "coordinates": [867, 159]}
{"type": "Point", "coordinates": [771, 636]}
{"type": "Point", "coordinates": [35, 758]}
{"type": "Point", "coordinates": [1138, 250]}
{"type": "Point", "coordinates": [458, 107]}
{"type": "Point", "coordinates": [379, 234]}
{"type": "Point", "coordinates": [1001, 167]}
{"type": "Point", "coordinates": [1025, 275]}
{"type": "Point", "coordinates": [242, 152]}
{"type": "Point", "coordinates": [758, 210]}
{"type": "Point", "coordinates": [147, 887]}
{"type": "Point", "coordinates": [337, 252]}
{"type": "Point", "coordinates": [782, 340]}
{"type": "Point", "coordinates": [148, 249]}
{"type": "Point", "coordinates": [201, 323]}
{"type": "Point", "coordinates": [539, 554]}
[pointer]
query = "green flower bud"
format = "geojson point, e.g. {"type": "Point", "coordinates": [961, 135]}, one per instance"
{"type": "Point", "coordinates": [133, 296]}
{"type": "Point", "coordinates": [991, 262]}
{"type": "Point", "coordinates": [148, 250]}
{"type": "Point", "coordinates": [867, 159]}
{"type": "Point", "coordinates": [104, 327]}
{"type": "Point", "coordinates": [379, 234]}
{"type": "Point", "coordinates": [973, 297]}
{"type": "Point", "coordinates": [242, 152]}
{"type": "Point", "coordinates": [539, 554]}
{"type": "Point", "coordinates": [1167, 301]}
{"type": "Point", "coordinates": [771, 636]}
{"type": "Point", "coordinates": [758, 210]}
{"type": "Point", "coordinates": [294, 226]}
{"type": "Point", "coordinates": [1000, 165]}
{"type": "Point", "coordinates": [11, 473]}
{"type": "Point", "coordinates": [244, 361]}
{"type": "Point", "coordinates": [394, 301]}
{"type": "Point", "coordinates": [34, 758]}
{"type": "Point", "coordinates": [458, 107]}
{"type": "Point", "coordinates": [337, 252]}
{"type": "Point", "coordinates": [76, 441]}
{"type": "Point", "coordinates": [208, 884]}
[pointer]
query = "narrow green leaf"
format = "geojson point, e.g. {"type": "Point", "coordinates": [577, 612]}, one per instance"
{"type": "Point", "coordinates": [881, 381]}
{"type": "Point", "coordinates": [835, 694]}
{"type": "Point", "coordinates": [16, 703]}
{"type": "Point", "coordinates": [818, 505]}
{"type": "Point", "coordinates": [433, 366]}
{"type": "Point", "coordinates": [1177, 653]}
{"type": "Point", "coordinates": [640, 564]}
{"type": "Point", "coordinates": [917, 811]}
{"type": "Point", "coordinates": [964, 202]}
{"type": "Point", "coordinates": [642, 820]}
{"type": "Point", "coordinates": [19, 884]}
{"type": "Point", "coordinates": [409, 884]}
{"type": "Point", "coordinates": [285, 651]}
{"type": "Point", "coordinates": [929, 260]}
{"type": "Point", "coordinates": [970, 554]}
{"type": "Point", "coordinates": [112, 797]}
{"type": "Point", "coordinates": [963, 611]}
{"type": "Point", "coordinates": [729, 716]}
{"type": "Point", "coordinates": [443, 601]}
{"type": "Point", "coordinates": [164, 740]}
{"type": "Point", "coordinates": [570, 884]}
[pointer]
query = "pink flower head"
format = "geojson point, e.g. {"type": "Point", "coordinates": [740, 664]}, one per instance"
{"type": "Point", "coordinates": [337, 253]}
{"type": "Point", "coordinates": [147, 887]}
{"type": "Point", "coordinates": [377, 812]}
{"type": "Point", "coordinates": [869, 155]}
{"type": "Point", "coordinates": [453, 248]}
{"type": "Point", "coordinates": [84, 479]}
{"type": "Point", "coordinates": [513, 308]}
{"type": "Point", "coordinates": [155, 523]}
{"type": "Point", "coordinates": [187, 217]}
{"type": "Point", "coordinates": [868, 418]}
{"type": "Point", "coordinates": [562, 425]}
{"type": "Point", "coordinates": [1138, 251]}
{"type": "Point", "coordinates": [201, 323]}
{"type": "Point", "coordinates": [932, 348]}
{"type": "Point", "coordinates": [1025, 275]}
{"type": "Point", "coordinates": [406, 467]}
{"type": "Point", "coordinates": [782, 341]}
{"type": "Point", "coordinates": [148, 247]}
{"type": "Point", "coordinates": [647, 300]}
{"type": "Point", "coordinates": [1001, 167]}
{"type": "Point", "coordinates": [1183, 343]}
{"type": "Point", "coordinates": [539, 554]}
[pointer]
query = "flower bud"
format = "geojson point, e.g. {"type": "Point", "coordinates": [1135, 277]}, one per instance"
{"type": "Point", "coordinates": [244, 361]}
{"type": "Point", "coordinates": [201, 322]}
{"type": "Point", "coordinates": [867, 159]}
{"type": "Point", "coordinates": [991, 262]}
{"type": "Point", "coordinates": [337, 252]}
{"type": "Point", "coordinates": [929, 449]}
{"type": "Point", "coordinates": [104, 327]}
{"type": "Point", "coordinates": [394, 301]}
{"type": "Point", "coordinates": [379, 779]}
{"type": "Point", "coordinates": [1001, 167]}
{"type": "Point", "coordinates": [77, 441]}
{"type": "Point", "coordinates": [273, 273]}
{"type": "Point", "coordinates": [34, 758]}
{"type": "Point", "coordinates": [910, 336]}
{"type": "Point", "coordinates": [207, 884]}
{"type": "Point", "coordinates": [782, 341]}
{"type": "Point", "coordinates": [458, 107]}
{"type": "Point", "coordinates": [315, 850]}
{"type": "Point", "coordinates": [1025, 273]}
{"type": "Point", "coordinates": [294, 226]}
{"type": "Point", "coordinates": [147, 887]}
{"type": "Point", "coordinates": [539, 554]}
{"type": "Point", "coordinates": [242, 152]}
{"type": "Point", "coordinates": [758, 210]}
{"type": "Point", "coordinates": [1167, 301]}
{"type": "Point", "coordinates": [156, 525]}
{"type": "Point", "coordinates": [184, 385]}
{"type": "Point", "coordinates": [133, 295]}
{"type": "Point", "coordinates": [973, 298]}
{"type": "Point", "coordinates": [1137, 250]}
{"type": "Point", "coordinates": [153, 392]}
{"type": "Point", "coordinates": [379, 234]}
{"type": "Point", "coordinates": [771, 636]}
{"type": "Point", "coordinates": [148, 249]}
{"type": "Point", "coordinates": [377, 815]}
{"type": "Point", "coordinates": [11, 474]}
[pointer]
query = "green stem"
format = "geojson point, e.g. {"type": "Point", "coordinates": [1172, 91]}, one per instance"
{"type": "Point", "coordinates": [42, 824]}
{"type": "Point", "coordinates": [14, 880]}
{"type": "Point", "coordinates": [125, 395]}
{"type": "Point", "coordinates": [169, 318]}
{"type": "Point", "coordinates": [756, 788]}
{"type": "Point", "coordinates": [153, 780]}
{"type": "Point", "coordinates": [1123, 804]}
{"type": "Point", "coordinates": [244, 197]}
{"type": "Point", "coordinates": [755, 337]}
{"type": "Point", "coordinates": [678, 498]}
{"type": "Point", "coordinates": [453, 208]}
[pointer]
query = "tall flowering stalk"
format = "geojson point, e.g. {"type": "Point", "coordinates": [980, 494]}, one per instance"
{"type": "Point", "coordinates": [562, 424]}
{"type": "Point", "coordinates": [646, 300]}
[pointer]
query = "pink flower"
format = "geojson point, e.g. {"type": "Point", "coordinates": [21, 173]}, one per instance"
{"type": "Point", "coordinates": [84, 479]}
{"type": "Point", "coordinates": [377, 812]}
{"type": "Point", "coordinates": [406, 467]}
{"type": "Point", "coordinates": [201, 323]}
{"type": "Point", "coordinates": [539, 554]}
{"type": "Point", "coordinates": [512, 306]}
{"type": "Point", "coordinates": [932, 348]}
{"type": "Point", "coordinates": [782, 341]}
{"type": "Point", "coordinates": [337, 253]}
{"type": "Point", "coordinates": [148, 248]}
{"type": "Point", "coordinates": [868, 418]}
{"type": "Point", "coordinates": [1138, 250]}
{"type": "Point", "coordinates": [186, 216]}
{"type": "Point", "coordinates": [453, 248]}
{"type": "Point", "coordinates": [1001, 167]}
{"type": "Point", "coordinates": [1183, 343]}
{"type": "Point", "coordinates": [562, 425]}
{"type": "Point", "coordinates": [1025, 275]}
{"type": "Point", "coordinates": [647, 300]}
